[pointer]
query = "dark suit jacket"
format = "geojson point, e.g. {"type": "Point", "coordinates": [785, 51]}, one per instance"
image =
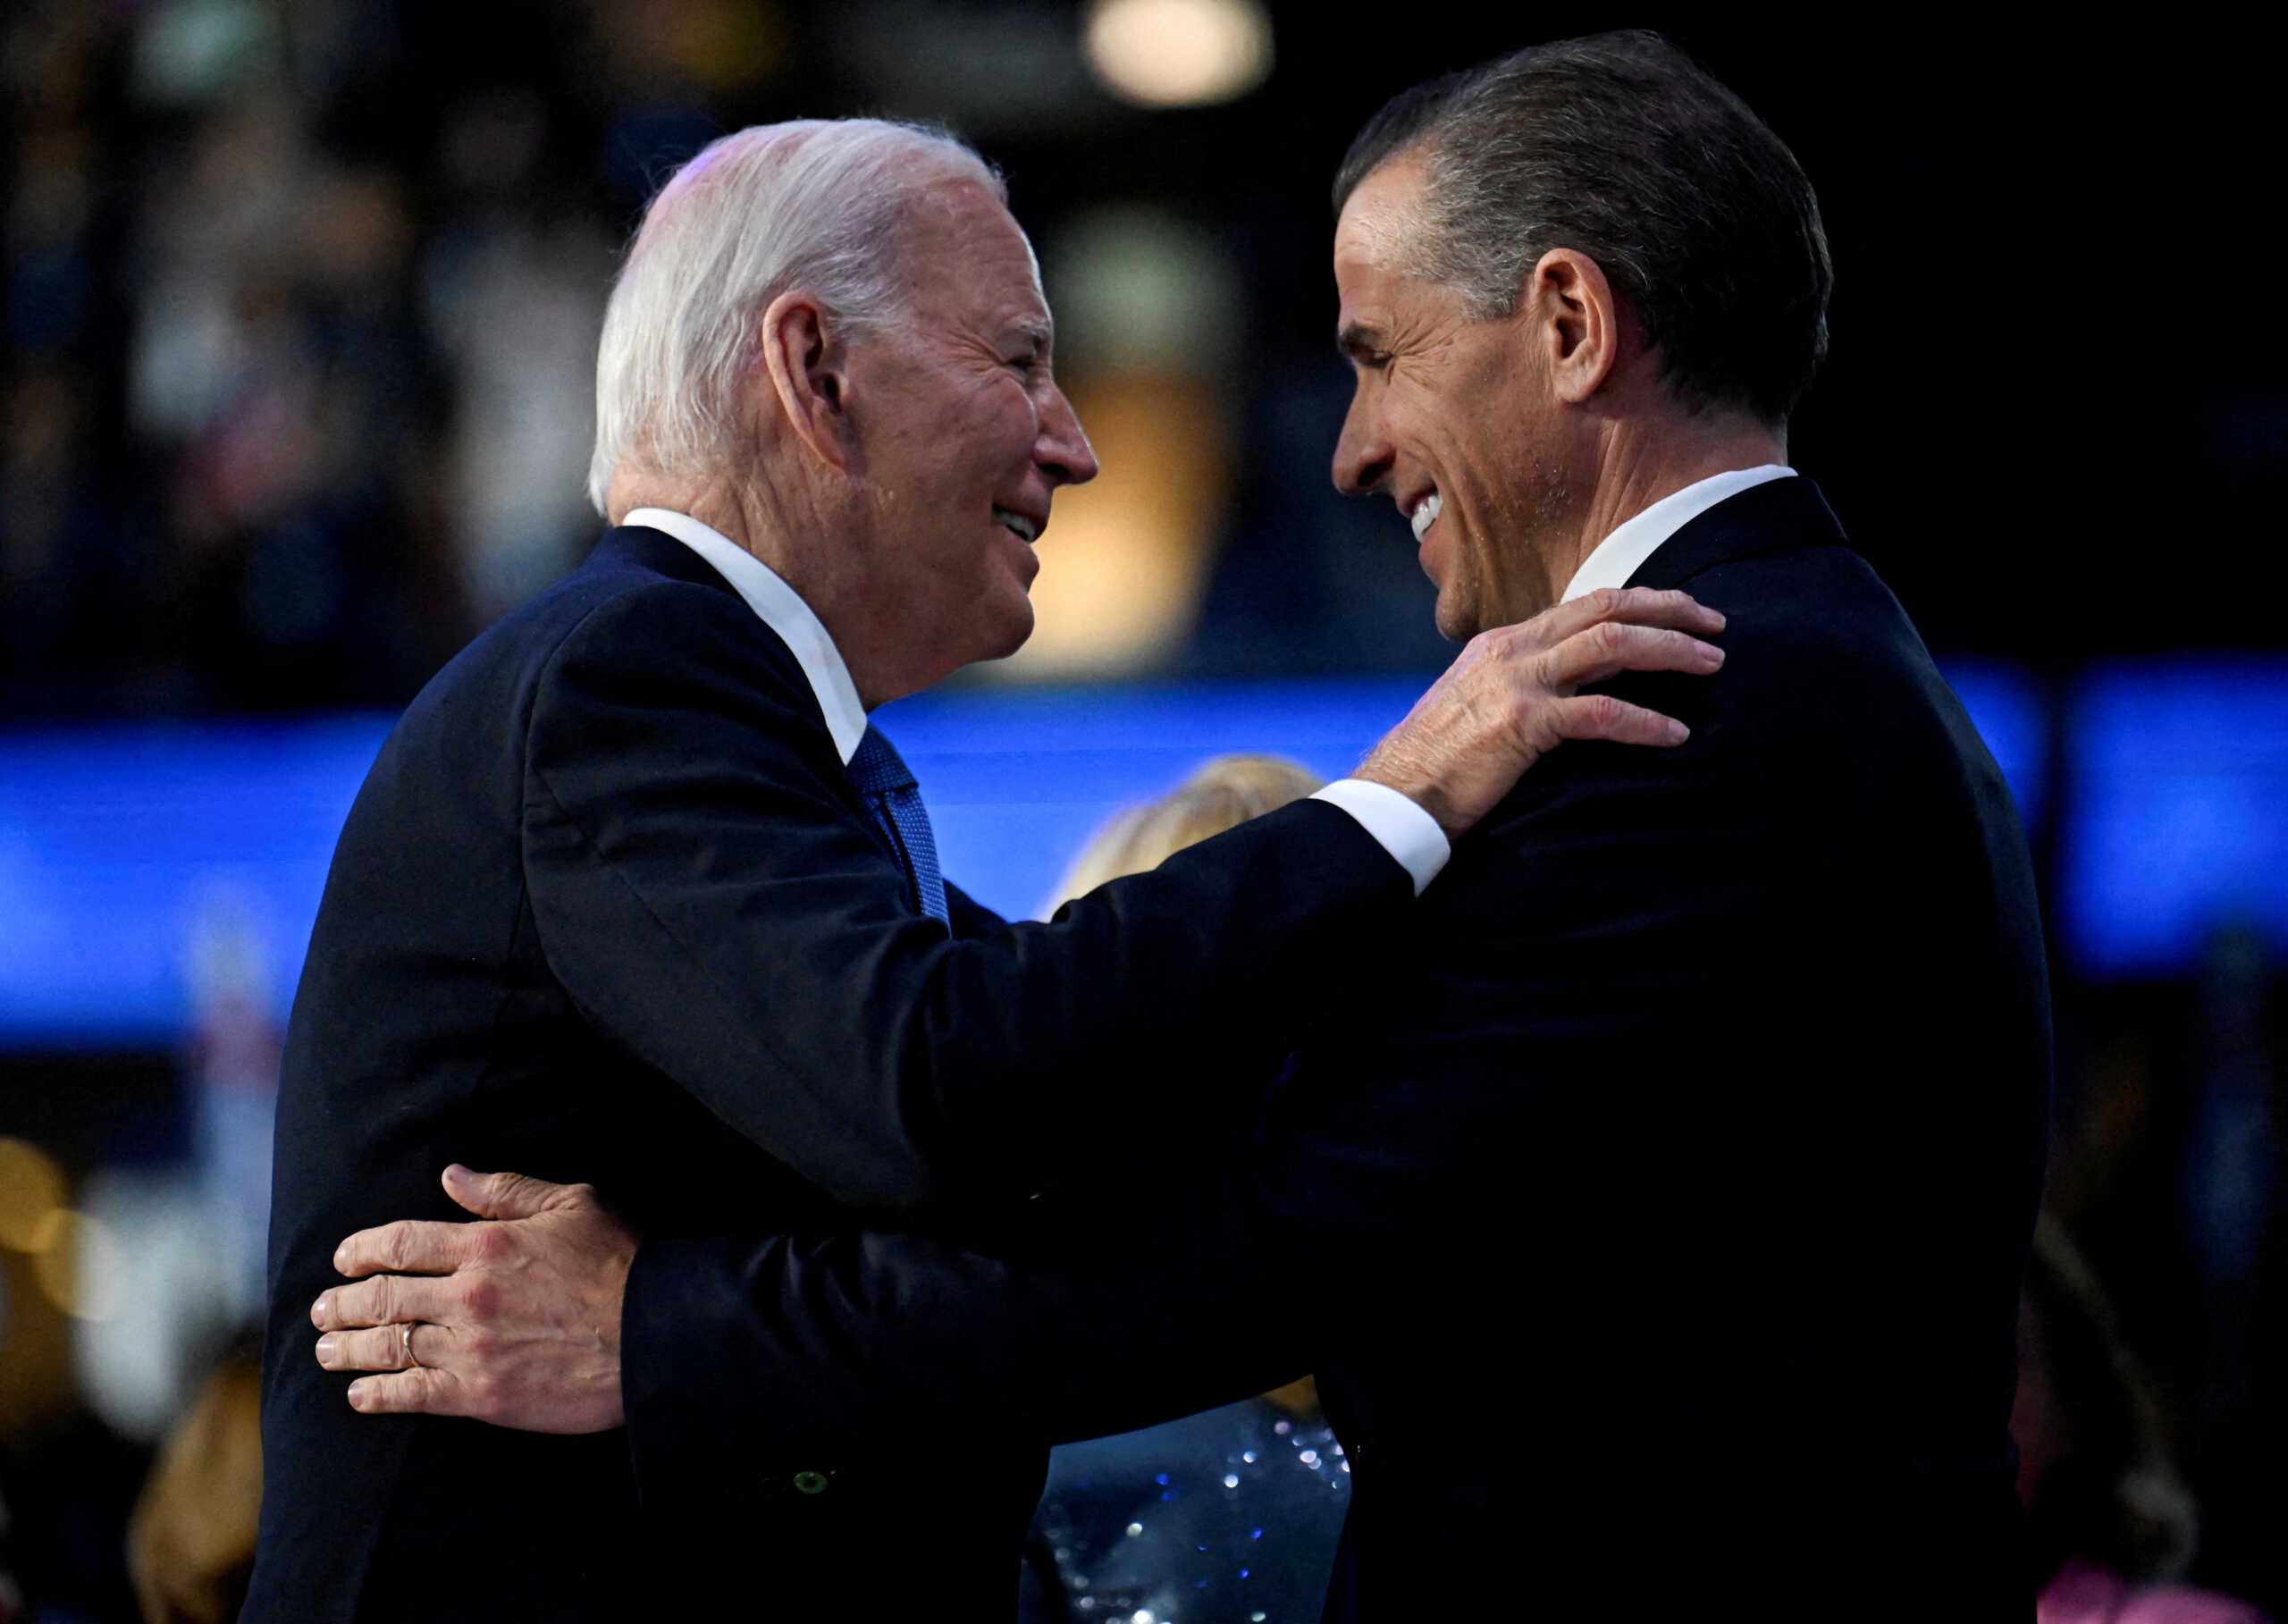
{"type": "Point", "coordinates": [608, 909]}
{"type": "Point", "coordinates": [1652, 1209]}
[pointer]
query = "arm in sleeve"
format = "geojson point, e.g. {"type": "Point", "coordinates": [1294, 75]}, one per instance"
{"type": "Point", "coordinates": [1108, 1304]}
{"type": "Point", "coordinates": [849, 1352]}
{"type": "Point", "coordinates": [709, 894]}
{"type": "Point", "coordinates": [1462, 1091]}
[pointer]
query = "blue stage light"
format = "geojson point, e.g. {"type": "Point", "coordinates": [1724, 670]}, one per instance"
{"type": "Point", "coordinates": [119, 846]}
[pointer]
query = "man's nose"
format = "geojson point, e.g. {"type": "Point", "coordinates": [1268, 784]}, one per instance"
{"type": "Point", "coordinates": [1362, 452]}
{"type": "Point", "coordinates": [1063, 447]}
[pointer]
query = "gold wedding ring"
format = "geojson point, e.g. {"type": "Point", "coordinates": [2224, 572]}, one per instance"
{"type": "Point", "coordinates": [405, 1347]}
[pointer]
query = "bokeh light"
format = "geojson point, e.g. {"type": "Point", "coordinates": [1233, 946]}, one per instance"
{"type": "Point", "coordinates": [78, 1263]}
{"type": "Point", "coordinates": [31, 1191]}
{"type": "Point", "coordinates": [1180, 53]}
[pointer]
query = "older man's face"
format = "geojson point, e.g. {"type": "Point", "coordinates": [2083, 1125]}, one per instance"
{"type": "Point", "coordinates": [967, 435]}
{"type": "Point", "coordinates": [1451, 417]}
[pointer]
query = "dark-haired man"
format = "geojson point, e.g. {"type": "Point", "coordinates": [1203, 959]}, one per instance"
{"type": "Point", "coordinates": [635, 893]}
{"type": "Point", "coordinates": [1653, 1216]}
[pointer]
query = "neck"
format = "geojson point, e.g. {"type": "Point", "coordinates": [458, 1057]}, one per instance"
{"type": "Point", "coordinates": [718, 504]}
{"type": "Point", "coordinates": [1641, 462]}
{"type": "Point", "coordinates": [785, 535]}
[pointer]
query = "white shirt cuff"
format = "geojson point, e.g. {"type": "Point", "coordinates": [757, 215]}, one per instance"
{"type": "Point", "coordinates": [1398, 825]}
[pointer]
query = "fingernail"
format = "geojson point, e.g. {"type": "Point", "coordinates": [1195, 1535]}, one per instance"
{"type": "Point", "coordinates": [317, 1313]}
{"type": "Point", "coordinates": [1679, 732]}
{"type": "Point", "coordinates": [357, 1394]}
{"type": "Point", "coordinates": [339, 1267]}
{"type": "Point", "coordinates": [458, 1173]}
{"type": "Point", "coordinates": [326, 1345]}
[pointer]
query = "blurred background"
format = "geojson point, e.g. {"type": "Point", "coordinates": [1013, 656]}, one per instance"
{"type": "Point", "coordinates": [297, 307]}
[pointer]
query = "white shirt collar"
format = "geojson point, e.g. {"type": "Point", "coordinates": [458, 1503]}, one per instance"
{"type": "Point", "coordinates": [1623, 552]}
{"type": "Point", "coordinates": [781, 610]}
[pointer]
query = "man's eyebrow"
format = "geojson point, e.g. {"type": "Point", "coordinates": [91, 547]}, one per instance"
{"type": "Point", "coordinates": [1038, 330]}
{"type": "Point", "coordinates": [1358, 340]}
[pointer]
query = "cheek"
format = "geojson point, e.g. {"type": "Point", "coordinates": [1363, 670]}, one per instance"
{"type": "Point", "coordinates": [1473, 422]}
{"type": "Point", "coordinates": [1449, 451]}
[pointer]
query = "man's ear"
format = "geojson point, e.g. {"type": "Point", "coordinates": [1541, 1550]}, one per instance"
{"type": "Point", "coordinates": [807, 363]}
{"type": "Point", "coordinates": [1575, 322]}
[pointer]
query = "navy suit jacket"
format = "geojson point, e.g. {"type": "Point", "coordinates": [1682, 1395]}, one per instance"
{"type": "Point", "coordinates": [608, 909]}
{"type": "Point", "coordinates": [1650, 1204]}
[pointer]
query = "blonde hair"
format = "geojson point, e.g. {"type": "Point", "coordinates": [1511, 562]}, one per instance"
{"type": "Point", "coordinates": [190, 1544]}
{"type": "Point", "coordinates": [1223, 794]}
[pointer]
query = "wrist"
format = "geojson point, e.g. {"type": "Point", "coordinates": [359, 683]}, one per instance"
{"type": "Point", "coordinates": [1407, 831]}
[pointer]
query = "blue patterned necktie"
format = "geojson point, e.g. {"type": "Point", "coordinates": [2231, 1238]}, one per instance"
{"type": "Point", "coordinates": [890, 794]}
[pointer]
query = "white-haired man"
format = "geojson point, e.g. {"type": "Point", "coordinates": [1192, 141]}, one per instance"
{"type": "Point", "coordinates": [1699, 1106]}
{"type": "Point", "coordinates": [636, 894]}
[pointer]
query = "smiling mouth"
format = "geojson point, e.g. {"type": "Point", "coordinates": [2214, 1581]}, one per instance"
{"type": "Point", "coordinates": [1017, 524]}
{"type": "Point", "coordinates": [1426, 513]}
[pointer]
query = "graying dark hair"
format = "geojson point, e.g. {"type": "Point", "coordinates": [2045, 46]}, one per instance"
{"type": "Point", "coordinates": [1623, 148]}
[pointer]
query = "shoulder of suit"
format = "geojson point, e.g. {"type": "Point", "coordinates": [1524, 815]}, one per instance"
{"type": "Point", "coordinates": [666, 624]}
{"type": "Point", "coordinates": [1820, 600]}
{"type": "Point", "coordinates": [1814, 638]}
{"type": "Point", "coordinates": [608, 617]}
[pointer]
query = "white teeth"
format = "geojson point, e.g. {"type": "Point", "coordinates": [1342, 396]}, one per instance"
{"type": "Point", "coordinates": [1426, 514]}
{"type": "Point", "coordinates": [1018, 523]}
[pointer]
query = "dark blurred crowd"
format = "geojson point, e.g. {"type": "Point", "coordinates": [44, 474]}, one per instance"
{"type": "Point", "coordinates": [300, 311]}
{"type": "Point", "coordinates": [301, 314]}
{"type": "Point", "coordinates": [299, 299]}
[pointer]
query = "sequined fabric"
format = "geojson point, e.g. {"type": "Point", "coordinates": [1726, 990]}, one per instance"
{"type": "Point", "coordinates": [1233, 1514]}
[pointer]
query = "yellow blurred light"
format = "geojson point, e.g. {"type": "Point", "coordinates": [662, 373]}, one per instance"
{"type": "Point", "coordinates": [725, 45]}
{"type": "Point", "coordinates": [1124, 560]}
{"type": "Point", "coordinates": [78, 1267]}
{"type": "Point", "coordinates": [1180, 53]}
{"type": "Point", "coordinates": [31, 1188]}
{"type": "Point", "coordinates": [49, 1230]}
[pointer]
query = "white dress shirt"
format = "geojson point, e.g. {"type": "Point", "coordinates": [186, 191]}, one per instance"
{"type": "Point", "coordinates": [1623, 552]}
{"type": "Point", "coordinates": [1399, 826]}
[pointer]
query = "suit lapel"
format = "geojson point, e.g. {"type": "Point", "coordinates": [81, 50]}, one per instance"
{"type": "Point", "coordinates": [1774, 516]}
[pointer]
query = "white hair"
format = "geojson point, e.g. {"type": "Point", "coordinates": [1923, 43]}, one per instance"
{"type": "Point", "coordinates": [813, 204]}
